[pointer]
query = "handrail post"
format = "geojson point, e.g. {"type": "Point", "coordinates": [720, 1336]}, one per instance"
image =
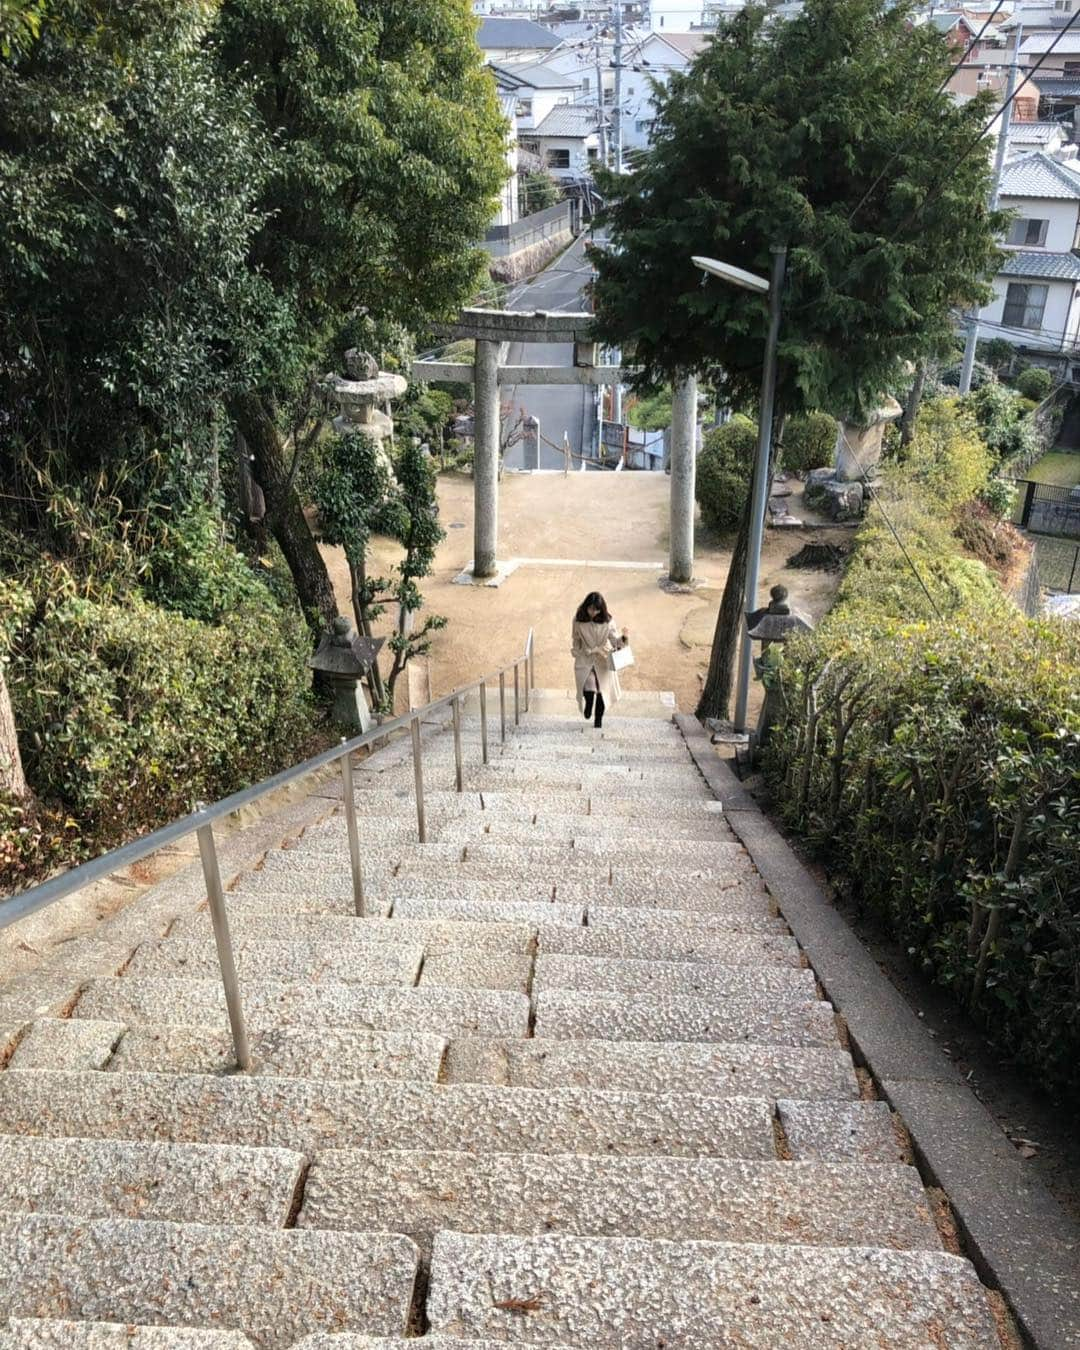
{"type": "Point", "coordinates": [354, 833]}
{"type": "Point", "coordinates": [220, 919]}
{"type": "Point", "coordinates": [502, 706]}
{"type": "Point", "coordinates": [459, 772]}
{"type": "Point", "coordinates": [483, 721]}
{"type": "Point", "coordinates": [517, 694]}
{"type": "Point", "coordinates": [418, 774]}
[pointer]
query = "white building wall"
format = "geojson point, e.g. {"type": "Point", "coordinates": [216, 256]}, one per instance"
{"type": "Point", "coordinates": [1061, 232]}
{"type": "Point", "coordinates": [535, 104]}
{"type": "Point", "coordinates": [577, 150]}
{"type": "Point", "coordinates": [1061, 315]}
{"type": "Point", "coordinates": [676, 16]}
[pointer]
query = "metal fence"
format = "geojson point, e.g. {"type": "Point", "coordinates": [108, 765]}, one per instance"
{"type": "Point", "coordinates": [1044, 508]}
{"type": "Point", "coordinates": [502, 240]}
{"type": "Point", "coordinates": [1059, 565]}
{"type": "Point", "coordinates": [201, 822]}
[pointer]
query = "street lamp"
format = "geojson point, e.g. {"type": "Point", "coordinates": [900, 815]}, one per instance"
{"type": "Point", "coordinates": [773, 288]}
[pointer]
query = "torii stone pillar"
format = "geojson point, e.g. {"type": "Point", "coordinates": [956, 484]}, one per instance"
{"type": "Point", "coordinates": [486, 460]}
{"type": "Point", "coordinates": [683, 476]}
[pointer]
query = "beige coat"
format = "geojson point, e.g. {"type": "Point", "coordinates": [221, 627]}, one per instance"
{"type": "Point", "coordinates": [590, 645]}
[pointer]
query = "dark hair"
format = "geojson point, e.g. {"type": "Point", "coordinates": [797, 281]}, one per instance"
{"type": "Point", "coordinates": [594, 600]}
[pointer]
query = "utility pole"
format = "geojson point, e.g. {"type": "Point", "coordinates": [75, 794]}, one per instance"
{"type": "Point", "coordinates": [970, 344]}
{"type": "Point", "coordinates": [618, 126]}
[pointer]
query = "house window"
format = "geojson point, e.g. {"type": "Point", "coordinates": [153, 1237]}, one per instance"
{"type": "Point", "coordinates": [1072, 68]}
{"type": "Point", "coordinates": [1028, 233]}
{"type": "Point", "coordinates": [524, 107]}
{"type": "Point", "coordinates": [1024, 305]}
{"type": "Point", "coordinates": [1065, 5]}
{"type": "Point", "coordinates": [560, 159]}
{"type": "Point", "coordinates": [643, 128]}
{"type": "Point", "coordinates": [594, 152]}
{"type": "Point", "coordinates": [585, 84]}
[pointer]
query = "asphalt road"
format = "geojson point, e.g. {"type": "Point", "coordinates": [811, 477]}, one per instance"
{"type": "Point", "coordinates": [568, 407]}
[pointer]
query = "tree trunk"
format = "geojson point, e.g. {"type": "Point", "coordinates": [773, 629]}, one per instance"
{"type": "Point", "coordinates": [911, 407]}
{"type": "Point", "coordinates": [284, 513]}
{"type": "Point", "coordinates": [11, 771]}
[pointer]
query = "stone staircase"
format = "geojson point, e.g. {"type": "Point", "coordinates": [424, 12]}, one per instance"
{"type": "Point", "coordinates": [570, 1085]}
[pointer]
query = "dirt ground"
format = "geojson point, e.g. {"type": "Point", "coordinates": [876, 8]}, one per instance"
{"type": "Point", "coordinates": [602, 518]}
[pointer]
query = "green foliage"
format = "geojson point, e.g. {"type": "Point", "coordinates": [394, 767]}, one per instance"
{"type": "Point", "coordinates": [995, 352]}
{"type": "Point", "coordinates": [809, 442]}
{"type": "Point", "coordinates": [1035, 382]}
{"type": "Point", "coordinates": [980, 375]}
{"type": "Point", "coordinates": [537, 191]}
{"type": "Point", "coordinates": [999, 414]}
{"type": "Point", "coordinates": [193, 569]}
{"type": "Point", "coordinates": [999, 496]}
{"type": "Point", "coordinates": [935, 760]}
{"type": "Point", "coordinates": [128, 714]}
{"type": "Point", "coordinates": [34, 841]}
{"type": "Point", "coordinates": [947, 458]}
{"type": "Point", "coordinates": [724, 474]}
{"type": "Point", "coordinates": [802, 133]}
{"type": "Point", "coordinates": [651, 412]}
{"type": "Point", "coordinates": [423, 415]}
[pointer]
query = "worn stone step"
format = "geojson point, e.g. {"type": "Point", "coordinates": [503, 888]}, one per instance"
{"type": "Point", "coordinates": [66, 1043]}
{"type": "Point", "coordinates": [287, 1052]}
{"type": "Point", "coordinates": [257, 893]}
{"type": "Point", "coordinates": [852, 1131]}
{"type": "Point", "coordinates": [273, 1286]}
{"type": "Point", "coordinates": [696, 882]}
{"type": "Point", "coordinates": [308, 1114]}
{"type": "Point", "coordinates": [325, 960]}
{"type": "Point", "coordinates": [477, 970]}
{"type": "Point", "coordinates": [569, 830]}
{"type": "Point", "coordinates": [583, 752]}
{"type": "Point", "coordinates": [269, 1005]}
{"type": "Point", "coordinates": [571, 1014]}
{"type": "Point", "coordinates": [708, 1199]}
{"type": "Point", "coordinates": [752, 914]}
{"type": "Point", "coordinates": [497, 779]}
{"type": "Point", "coordinates": [631, 1292]}
{"type": "Point", "coordinates": [647, 979]}
{"type": "Point", "coordinates": [670, 942]}
{"type": "Point", "coordinates": [486, 900]}
{"type": "Point", "coordinates": [712, 1070]}
{"type": "Point", "coordinates": [350, 1342]}
{"type": "Point", "coordinates": [654, 810]}
{"type": "Point", "coordinates": [699, 896]}
{"type": "Point", "coordinates": [183, 1183]}
{"type": "Point", "coordinates": [584, 853]}
{"type": "Point", "coordinates": [432, 935]}
{"type": "Point", "coordinates": [53, 1334]}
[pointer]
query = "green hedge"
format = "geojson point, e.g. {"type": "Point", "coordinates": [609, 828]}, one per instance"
{"type": "Point", "coordinates": [724, 473]}
{"type": "Point", "coordinates": [935, 761]}
{"type": "Point", "coordinates": [129, 713]}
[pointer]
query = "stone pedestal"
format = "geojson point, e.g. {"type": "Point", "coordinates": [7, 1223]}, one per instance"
{"type": "Point", "coordinates": [859, 445]}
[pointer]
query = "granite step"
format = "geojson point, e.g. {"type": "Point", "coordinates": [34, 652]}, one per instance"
{"type": "Point", "coordinates": [314, 960]}
{"type": "Point", "coordinates": [585, 853]}
{"type": "Point", "coordinates": [655, 809]}
{"type": "Point", "coordinates": [568, 831]}
{"type": "Point", "coordinates": [273, 1286]}
{"type": "Point", "coordinates": [694, 895]}
{"type": "Point", "coordinates": [269, 1005]}
{"type": "Point", "coordinates": [669, 942]}
{"type": "Point", "coordinates": [483, 901]}
{"type": "Point", "coordinates": [709, 1199]}
{"type": "Point", "coordinates": [51, 1334]}
{"type": "Point", "coordinates": [658, 979]}
{"type": "Point", "coordinates": [350, 1342]}
{"type": "Point", "coordinates": [810, 1072]}
{"type": "Point", "coordinates": [193, 1183]}
{"type": "Point", "coordinates": [257, 893]}
{"type": "Point", "coordinates": [699, 881]}
{"type": "Point", "coordinates": [631, 1292]}
{"type": "Point", "coordinates": [477, 970]}
{"type": "Point", "coordinates": [598, 785]}
{"type": "Point", "coordinates": [753, 913]}
{"type": "Point", "coordinates": [568, 1014]}
{"type": "Point", "coordinates": [309, 1114]}
{"type": "Point", "coordinates": [838, 1131]}
{"type": "Point", "coordinates": [288, 1052]}
{"type": "Point", "coordinates": [432, 935]}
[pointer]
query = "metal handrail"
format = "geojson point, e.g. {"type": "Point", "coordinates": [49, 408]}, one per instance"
{"type": "Point", "coordinates": [201, 822]}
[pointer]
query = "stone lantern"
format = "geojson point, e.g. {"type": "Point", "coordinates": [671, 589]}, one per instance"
{"type": "Point", "coordinates": [776, 624]}
{"type": "Point", "coordinates": [345, 658]}
{"type": "Point", "coordinates": [359, 394]}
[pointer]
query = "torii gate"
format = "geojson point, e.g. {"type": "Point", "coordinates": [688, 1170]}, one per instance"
{"type": "Point", "coordinates": [493, 330]}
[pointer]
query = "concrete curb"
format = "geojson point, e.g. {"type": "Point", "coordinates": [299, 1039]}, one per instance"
{"type": "Point", "coordinates": [1019, 1238]}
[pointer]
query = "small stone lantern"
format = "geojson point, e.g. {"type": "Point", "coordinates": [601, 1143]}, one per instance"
{"type": "Point", "coordinates": [776, 624]}
{"type": "Point", "coordinates": [345, 659]}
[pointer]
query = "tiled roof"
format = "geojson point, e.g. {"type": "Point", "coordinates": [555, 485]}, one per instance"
{"type": "Point", "coordinates": [1052, 87]}
{"type": "Point", "coordinates": [569, 121]}
{"type": "Point", "coordinates": [1040, 176]}
{"type": "Point", "coordinates": [1064, 44]}
{"type": "Point", "coordinates": [1048, 266]}
{"type": "Point", "coordinates": [515, 33]}
{"type": "Point", "coordinates": [1037, 132]}
{"type": "Point", "coordinates": [945, 23]}
{"type": "Point", "coordinates": [542, 77]}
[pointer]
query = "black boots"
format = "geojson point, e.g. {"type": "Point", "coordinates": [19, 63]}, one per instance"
{"type": "Point", "coordinates": [590, 695]}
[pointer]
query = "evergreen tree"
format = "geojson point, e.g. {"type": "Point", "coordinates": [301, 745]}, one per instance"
{"type": "Point", "coordinates": [829, 133]}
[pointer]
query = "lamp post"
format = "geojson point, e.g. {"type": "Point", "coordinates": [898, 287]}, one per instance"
{"type": "Point", "coordinates": [773, 288]}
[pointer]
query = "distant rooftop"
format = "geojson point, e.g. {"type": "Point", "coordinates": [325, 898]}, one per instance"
{"type": "Point", "coordinates": [1040, 176]}
{"type": "Point", "coordinates": [1044, 266]}
{"type": "Point", "coordinates": [1064, 44]}
{"type": "Point", "coordinates": [498, 34]}
{"type": "Point", "coordinates": [570, 121]}
{"type": "Point", "coordinates": [1038, 133]}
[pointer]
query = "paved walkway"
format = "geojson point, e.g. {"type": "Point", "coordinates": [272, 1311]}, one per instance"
{"type": "Point", "coordinates": [569, 1083]}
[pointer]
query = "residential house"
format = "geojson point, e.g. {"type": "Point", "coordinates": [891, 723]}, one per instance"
{"type": "Point", "coordinates": [508, 90]}
{"type": "Point", "coordinates": [1059, 53]}
{"type": "Point", "coordinates": [539, 90]}
{"type": "Point", "coordinates": [655, 59]}
{"type": "Point", "coordinates": [567, 141]}
{"type": "Point", "coordinates": [676, 16]}
{"type": "Point", "coordinates": [1027, 138]}
{"type": "Point", "coordinates": [1036, 304]}
{"type": "Point", "coordinates": [507, 40]}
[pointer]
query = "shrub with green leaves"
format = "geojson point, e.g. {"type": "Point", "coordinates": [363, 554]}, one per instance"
{"type": "Point", "coordinates": [1035, 382]}
{"type": "Point", "coordinates": [980, 374]}
{"type": "Point", "coordinates": [931, 753]}
{"type": "Point", "coordinates": [724, 473]}
{"type": "Point", "coordinates": [947, 459]}
{"type": "Point", "coordinates": [809, 442]}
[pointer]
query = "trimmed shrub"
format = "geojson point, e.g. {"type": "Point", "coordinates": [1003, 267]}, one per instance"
{"type": "Point", "coordinates": [980, 374]}
{"type": "Point", "coordinates": [809, 442]}
{"type": "Point", "coordinates": [934, 759]}
{"type": "Point", "coordinates": [724, 474]}
{"type": "Point", "coordinates": [999, 497]}
{"type": "Point", "coordinates": [947, 458]}
{"type": "Point", "coordinates": [1035, 382]}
